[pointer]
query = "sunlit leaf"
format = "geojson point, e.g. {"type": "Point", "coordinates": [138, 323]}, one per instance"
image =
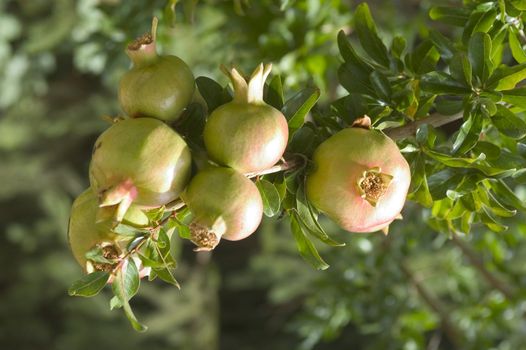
{"type": "Point", "coordinates": [89, 285]}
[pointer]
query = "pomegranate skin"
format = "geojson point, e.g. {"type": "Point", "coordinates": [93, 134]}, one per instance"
{"type": "Point", "coordinates": [224, 203]}
{"type": "Point", "coordinates": [340, 164]}
{"type": "Point", "coordinates": [161, 89]}
{"type": "Point", "coordinates": [246, 137]}
{"type": "Point", "coordinates": [144, 155]}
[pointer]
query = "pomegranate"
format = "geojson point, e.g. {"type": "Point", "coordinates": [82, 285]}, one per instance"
{"type": "Point", "coordinates": [246, 134]}
{"type": "Point", "coordinates": [87, 231]}
{"type": "Point", "coordinates": [157, 86]}
{"type": "Point", "coordinates": [141, 161]}
{"type": "Point", "coordinates": [225, 204]}
{"type": "Point", "coordinates": [360, 180]}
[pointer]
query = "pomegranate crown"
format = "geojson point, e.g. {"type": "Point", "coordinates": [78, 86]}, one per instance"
{"type": "Point", "coordinates": [143, 50]}
{"type": "Point", "coordinates": [251, 91]}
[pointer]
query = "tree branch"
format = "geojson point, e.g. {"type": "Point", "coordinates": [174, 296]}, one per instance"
{"type": "Point", "coordinates": [493, 280]}
{"type": "Point", "coordinates": [452, 333]}
{"type": "Point", "coordinates": [409, 129]}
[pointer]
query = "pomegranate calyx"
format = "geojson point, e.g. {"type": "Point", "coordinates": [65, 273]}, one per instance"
{"type": "Point", "coordinates": [373, 185]}
{"type": "Point", "coordinates": [121, 196]}
{"type": "Point", "coordinates": [362, 122]}
{"type": "Point", "coordinates": [204, 238]}
{"type": "Point", "coordinates": [110, 252]}
{"type": "Point", "coordinates": [143, 50]}
{"type": "Point", "coordinates": [250, 92]}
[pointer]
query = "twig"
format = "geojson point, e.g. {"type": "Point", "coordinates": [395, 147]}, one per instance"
{"type": "Point", "coordinates": [409, 129]}
{"type": "Point", "coordinates": [453, 334]}
{"type": "Point", "coordinates": [128, 255]}
{"type": "Point", "coordinates": [285, 165]}
{"type": "Point", "coordinates": [493, 280]}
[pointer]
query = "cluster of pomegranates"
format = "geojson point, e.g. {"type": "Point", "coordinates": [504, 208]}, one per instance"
{"type": "Point", "coordinates": [358, 178]}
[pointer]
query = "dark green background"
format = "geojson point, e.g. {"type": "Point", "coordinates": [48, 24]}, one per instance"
{"type": "Point", "coordinates": [60, 62]}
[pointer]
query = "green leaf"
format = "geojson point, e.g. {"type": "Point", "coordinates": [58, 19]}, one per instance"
{"type": "Point", "coordinates": [354, 79]}
{"type": "Point", "coordinates": [270, 196]}
{"type": "Point", "coordinates": [498, 208]}
{"type": "Point", "coordinates": [304, 140]}
{"type": "Point", "coordinates": [424, 58]}
{"type": "Point", "coordinates": [89, 285]}
{"type": "Point", "coordinates": [309, 219]}
{"type": "Point", "coordinates": [368, 36]}
{"type": "Point", "coordinates": [192, 123]}
{"type": "Point", "coordinates": [380, 85]}
{"type": "Point", "coordinates": [491, 150]}
{"type": "Point", "coordinates": [125, 285]}
{"type": "Point", "coordinates": [115, 303]}
{"type": "Point", "coordinates": [490, 221]}
{"type": "Point", "coordinates": [425, 105]}
{"type": "Point", "coordinates": [212, 92]}
{"type": "Point", "coordinates": [520, 176]}
{"type": "Point", "coordinates": [469, 163]}
{"type": "Point", "coordinates": [148, 262]}
{"type": "Point", "coordinates": [479, 54]}
{"type": "Point", "coordinates": [274, 93]}
{"type": "Point", "coordinates": [519, 4]}
{"type": "Point", "coordinates": [349, 55]}
{"type": "Point", "coordinates": [457, 16]}
{"type": "Point", "coordinates": [163, 247]}
{"type": "Point", "coordinates": [442, 83]}
{"type": "Point", "coordinates": [297, 108]}
{"type": "Point", "coordinates": [516, 47]}
{"type": "Point", "coordinates": [126, 230]}
{"type": "Point", "coordinates": [460, 68]}
{"type": "Point", "coordinates": [506, 78]}
{"type": "Point", "coordinates": [516, 97]}
{"type": "Point", "coordinates": [498, 34]}
{"type": "Point", "coordinates": [398, 46]}
{"type": "Point", "coordinates": [440, 182]}
{"type": "Point", "coordinates": [420, 189]}
{"type": "Point", "coordinates": [479, 22]}
{"type": "Point", "coordinates": [167, 276]}
{"type": "Point", "coordinates": [468, 134]}
{"type": "Point", "coordinates": [508, 123]}
{"type": "Point", "coordinates": [305, 247]}
{"type": "Point", "coordinates": [506, 194]}
{"type": "Point", "coordinates": [130, 281]}
{"type": "Point", "coordinates": [351, 107]}
{"type": "Point", "coordinates": [422, 134]}
{"type": "Point", "coordinates": [444, 45]}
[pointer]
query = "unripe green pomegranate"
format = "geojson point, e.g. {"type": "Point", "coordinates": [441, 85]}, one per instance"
{"type": "Point", "coordinates": [157, 86]}
{"type": "Point", "coordinates": [87, 230]}
{"type": "Point", "coordinates": [225, 204]}
{"type": "Point", "coordinates": [246, 134]}
{"type": "Point", "coordinates": [141, 161]}
{"type": "Point", "coordinates": [360, 180]}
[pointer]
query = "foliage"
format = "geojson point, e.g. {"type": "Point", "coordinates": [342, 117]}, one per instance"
{"type": "Point", "coordinates": [466, 175]}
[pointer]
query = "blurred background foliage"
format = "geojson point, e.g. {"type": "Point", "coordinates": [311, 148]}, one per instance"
{"type": "Point", "coordinates": [60, 62]}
